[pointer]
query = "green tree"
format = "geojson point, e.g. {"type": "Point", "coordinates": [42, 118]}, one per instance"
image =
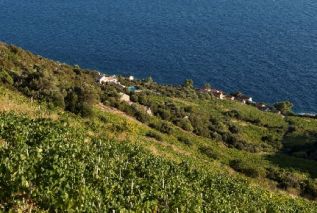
{"type": "Point", "coordinates": [79, 101]}
{"type": "Point", "coordinates": [285, 107]}
{"type": "Point", "coordinates": [149, 80]}
{"type": "Point", "coordinates": [189, 83]}
{"type": "Point", "coordinates": [207, 86]}
{"type": "Point", "coordinates": [183, 123]}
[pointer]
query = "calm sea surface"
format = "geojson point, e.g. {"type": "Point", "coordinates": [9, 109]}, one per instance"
{"type": "Point", "coordinates": [265, 48]}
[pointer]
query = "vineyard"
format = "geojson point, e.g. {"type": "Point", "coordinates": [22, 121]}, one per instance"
{"type": "Point", "coordinates": [47, 165]}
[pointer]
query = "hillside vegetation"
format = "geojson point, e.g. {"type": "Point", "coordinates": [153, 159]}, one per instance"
{"type": "Point", "coordinates": [69, 143]}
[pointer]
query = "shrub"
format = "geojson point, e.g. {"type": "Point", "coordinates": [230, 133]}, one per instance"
{"type": "Point", "coordinates": [103, 118]}
{"type": "Point", "coordinates": [5, 78]}
{"type": "Point", "coordinates": [208, 152]}
{"type": "Point", "coordinates": [248, 170]}
{"type": "Point", "coordinates": [164, 114]}
{"type": "Point", "coordinates": [285, 107]}
{"type": "Point", "coordinates": [108, 93]}
{"type": "Point", "coordinates": [267, 138]}
{"type": "Point", "coordinates": [233, 114]}
{"type": "Point", "coordinates": [204, 96]}
{"type": "Point", "coordinates": [270, 140]}
{"type": "Point", "coordinates": [162, 127]}
{"type": "Point", "coordinates": [216, 136]}
{"type": "Point", "coordinates": [202, 131]}
{"type": "Point", "coordinates": [124, 107]}
{"type": "Point", "coordinates": [214, 121]}
{"type": "Point", "coordinates": [233, 129]}
{"type": "Point", "coordinates": [188, 109]}
{"type": "Point", "coordinates": [229, 138]}
{"type": "Point", "coordinates": [188, 84]}
{"type": "Point", "coordinates": [154, 107]}
{"type": "Point", "coordinates": [119, 128]}
{"type": "Point", "coordinates": [153, 125]}
{"type": "Point", "coordinates": [256, 121]}
{"type": "Point", "coordinates": [309, 188]}
{"type": "Point", "coordinates": [77, 71]}
{"type": "Point", "coordinates": [184, 140]}
{"type": "Point", "coordinates": [166, 128]}
{"type": "Point", "coordinates": [79, 101]}
{"type": "Point", "coordinates": [113, 102]}
{"type": "Point", "coordinates": [184, 124]}
{"type": "Point", "coordinates": [14, 49]}
{"type": "Point", "coordinates": [58, 99]}
{"type": "Point", "coordinates": [71, 102]}
{"type": "Point", "coordinates": [142, 99]}
{"type": "Point", "coordinates": [233, 142]}
{"type": "Point", "coordinates": [134, 98]}
{"type": "Point", "coordinates": [291, 129]}
{"type": "Point", "coordinates": [154, 135]}
{"type": "Point", "coordinates": [243, 145]}
{"type": "Point", "coordinates": [200, 125]}
{"type": "Point", "coordinates": [284, 178]}
{"type": "Point", "coordinates": [86, 109]}
{"type": "Point", "coordinates": [141, 116]}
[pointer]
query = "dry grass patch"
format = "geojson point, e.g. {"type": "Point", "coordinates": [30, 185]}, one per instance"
{"type": "Point", "coordinates": [3, 143]}
{"type": "Point", "coordinates": [11, 101]}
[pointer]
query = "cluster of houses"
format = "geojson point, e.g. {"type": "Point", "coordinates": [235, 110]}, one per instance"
{"type": "Point", "coordinates": [236, 96]}
{"type": "Point", "coordinates": [216, 93]}
{"type": "Point", "coordinates": [223, 96]}
{"type": "Point", "coordinates": [103, 79]}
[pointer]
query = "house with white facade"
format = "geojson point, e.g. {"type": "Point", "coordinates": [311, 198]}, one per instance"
{"type": "Point", "coordinates": [219, 94]}
{"type": "Point", "coordinates": [108, 79]}
{"type": "Point", "coordinates": [243, 98]}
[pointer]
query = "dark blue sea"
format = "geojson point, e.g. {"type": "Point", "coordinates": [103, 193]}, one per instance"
{"type": "Point", "coordinates": [264, 48]}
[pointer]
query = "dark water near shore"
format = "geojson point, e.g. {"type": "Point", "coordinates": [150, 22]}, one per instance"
{"type": "Point", "coordinates": [265, 48]}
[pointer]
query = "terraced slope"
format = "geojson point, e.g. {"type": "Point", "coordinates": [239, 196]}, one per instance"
{"type": "Point", "coordinates": [68, 143]}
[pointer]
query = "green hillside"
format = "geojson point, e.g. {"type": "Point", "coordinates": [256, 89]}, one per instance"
{"type": "Point", "coordinates": [69, 143]}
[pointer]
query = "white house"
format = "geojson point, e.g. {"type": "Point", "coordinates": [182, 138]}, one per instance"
{"type": "Point", "coordinates": [243, 98]}
{"type": "Point", "coordinates": [108, 79]}
{"type": "Point", "coordinates": [232, 98]}
{"type": "Point", "coordinates": [219, 94]}
{"type": "Point", "coordinates": [131, 78]}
